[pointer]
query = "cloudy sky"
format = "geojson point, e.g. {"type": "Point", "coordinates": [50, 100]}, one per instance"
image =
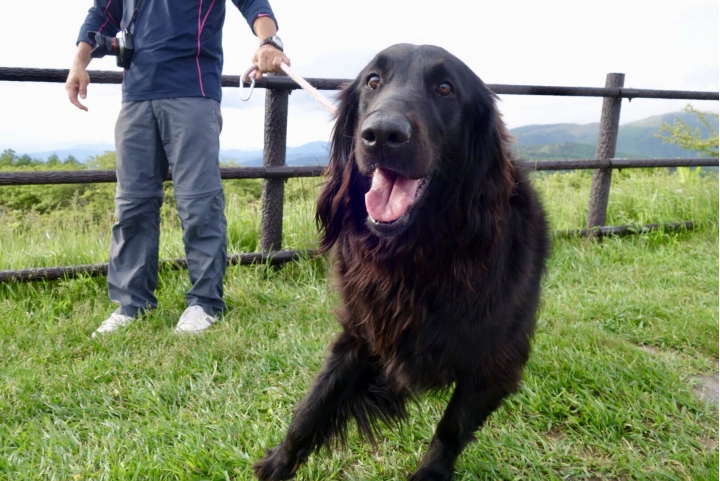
{"type": "Point", "coordinates": [658, 44]}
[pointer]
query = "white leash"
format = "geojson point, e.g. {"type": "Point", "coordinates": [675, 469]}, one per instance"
{"type": "Point", "coordinates": [320, 98]}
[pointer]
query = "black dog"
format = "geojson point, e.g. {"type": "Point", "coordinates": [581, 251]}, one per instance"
{"type": "Point", "coordinates": [439, 247]}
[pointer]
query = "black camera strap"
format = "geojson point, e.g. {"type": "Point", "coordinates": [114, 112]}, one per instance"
{"type": "Point", "coordinates": [134, 15]}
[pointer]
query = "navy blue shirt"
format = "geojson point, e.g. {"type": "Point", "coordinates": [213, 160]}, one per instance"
{"type": "Point", "coordinates": [178, 44]}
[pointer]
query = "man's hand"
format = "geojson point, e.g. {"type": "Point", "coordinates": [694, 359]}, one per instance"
{"type": "Point", "coordinates": [268, 59]}
{"type": "Point", "coordinates": [78, 78]}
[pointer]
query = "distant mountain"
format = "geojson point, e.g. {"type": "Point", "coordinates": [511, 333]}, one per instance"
{"type": "Point", "coordinates": [556, 134]}
{"type": "Point", "coordinates": [536, 142]}
{"type": "Point", "coordinates": [314, 153]}
{"type": "Point", "coordinates": [559, 151]}
{"type": "Point", "coordinates": [635, 139]}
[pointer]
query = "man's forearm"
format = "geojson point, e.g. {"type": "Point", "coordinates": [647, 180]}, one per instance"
{"type": "Point", "coordinates": [78, 79]}
{"type": "Point", "coordinates": [82, 55]}
{"type": "Point", "coordinates": [264, 27]}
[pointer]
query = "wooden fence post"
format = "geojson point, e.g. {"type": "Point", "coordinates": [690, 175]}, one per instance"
{"type": "Point", "coordinates": [276, 113]}
{"type": "Point", "coordinates": [607, 141]}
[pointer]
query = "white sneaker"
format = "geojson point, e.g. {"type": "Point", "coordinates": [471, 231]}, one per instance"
{"type": "Point", "coordinates": [112, 323]}
{"type": "Point", "coordinates": [194, 320]}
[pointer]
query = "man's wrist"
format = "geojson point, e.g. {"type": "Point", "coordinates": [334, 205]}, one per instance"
{"type": "Point", "coordinates": [273, 40]}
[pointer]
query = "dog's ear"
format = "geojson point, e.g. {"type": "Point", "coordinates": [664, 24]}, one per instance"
{"type": "Point", "coordinates": [488, 178]}
{"type": "Point", "coordinates": [334, 201]}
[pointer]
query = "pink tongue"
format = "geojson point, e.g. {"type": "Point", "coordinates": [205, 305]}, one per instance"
{"type": "Point", "coordinates": [389, 197]}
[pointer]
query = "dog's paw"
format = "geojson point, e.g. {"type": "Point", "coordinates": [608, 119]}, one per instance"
{"type": "Point", "coordinates": [428, 473]}
{"type": "Point", "coordinates": [275, 466]}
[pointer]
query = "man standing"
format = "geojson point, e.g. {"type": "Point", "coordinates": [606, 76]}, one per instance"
{"type": "Point", "coordinates": [170, 118]}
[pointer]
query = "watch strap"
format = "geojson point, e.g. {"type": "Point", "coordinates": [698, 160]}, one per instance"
{"type": "Point", "coordinates": [272, 41]}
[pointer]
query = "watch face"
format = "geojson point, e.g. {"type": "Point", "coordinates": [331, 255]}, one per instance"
{"type": "Point", "coordinates": [275, 41]}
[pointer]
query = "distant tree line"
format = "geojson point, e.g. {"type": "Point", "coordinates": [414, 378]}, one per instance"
{"type": "Point", "coordinates": [9, 160]}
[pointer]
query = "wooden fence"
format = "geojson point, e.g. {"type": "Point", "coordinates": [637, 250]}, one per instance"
{"type": "Point", "coordinates": [275, 172]}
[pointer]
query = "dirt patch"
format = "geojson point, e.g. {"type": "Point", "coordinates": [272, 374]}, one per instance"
{"type": "Point", "coordinates": [707, 389]}
{"type": "Point", "coordinates": [709, 443]}
{"type": "Point", "coordinates": [651, 349]}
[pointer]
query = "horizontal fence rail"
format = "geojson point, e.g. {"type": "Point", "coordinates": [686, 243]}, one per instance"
{"type": "Point", "coordinates": [287, 172]}
{"type": "Point", "coordinates": [619, 163]}
{"type": "Point", "coordinates": [95, 270]}
{"type": "Point", "coordinates": [285, 83]}
{"type": "Point", "coordinates": [623, 230]}
{"type": "Point", "coordinates": [106, 176]}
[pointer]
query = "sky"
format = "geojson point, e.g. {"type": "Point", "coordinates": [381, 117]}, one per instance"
{"type": "Point", "coordinates": [657, 44]}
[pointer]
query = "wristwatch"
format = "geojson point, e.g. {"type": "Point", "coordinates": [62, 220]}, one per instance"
{"type": "Point", "coordinates": [274, 41]}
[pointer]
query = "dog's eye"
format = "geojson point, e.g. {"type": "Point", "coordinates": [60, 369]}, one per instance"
{"type": "Point", "coordinates": [444, 89]}
{"type": "Point", "coordinates": [373, 82]}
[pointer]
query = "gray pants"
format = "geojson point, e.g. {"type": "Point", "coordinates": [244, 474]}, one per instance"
{"type": "Point", "coordinates": [150, 136]}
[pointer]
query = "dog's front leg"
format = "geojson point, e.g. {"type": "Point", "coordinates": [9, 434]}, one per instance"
{"type": "Point", "coordinates": [322, 414]}
{"type": "Point", "coordinates": [469, 407]}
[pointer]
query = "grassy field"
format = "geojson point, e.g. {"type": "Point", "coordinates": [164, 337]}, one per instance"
{"type": "Point", "coordinates": [625, 329]}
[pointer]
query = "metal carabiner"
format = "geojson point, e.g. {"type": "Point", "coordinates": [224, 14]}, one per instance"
{"type": "Point", "coordinates": [252, 86]}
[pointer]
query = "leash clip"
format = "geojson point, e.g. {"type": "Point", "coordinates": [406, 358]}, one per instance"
{"type": "Point", "coordinates": [242, 86]}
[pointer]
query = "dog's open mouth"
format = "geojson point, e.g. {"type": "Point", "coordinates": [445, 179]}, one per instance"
{"type": "Point", "coordinates": [392, 196]}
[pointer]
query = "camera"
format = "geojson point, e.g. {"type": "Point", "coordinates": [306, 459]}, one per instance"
{"type": "Point", "coordinates": [121, 47]}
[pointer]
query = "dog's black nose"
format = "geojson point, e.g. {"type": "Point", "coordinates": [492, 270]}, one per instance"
{"type": "Point", "coordinates": [383, 131]}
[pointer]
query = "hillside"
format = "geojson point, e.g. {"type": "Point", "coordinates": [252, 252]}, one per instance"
{"type": "Point", "coordinates": [567, 141]}
{"type": "Point", "coordinates": [559, 151]}
{"type": "Point", "coordinates": [314, 153]}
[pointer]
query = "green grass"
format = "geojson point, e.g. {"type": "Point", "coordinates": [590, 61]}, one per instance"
{"type": "Point", "coordinates": [624, 329]}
